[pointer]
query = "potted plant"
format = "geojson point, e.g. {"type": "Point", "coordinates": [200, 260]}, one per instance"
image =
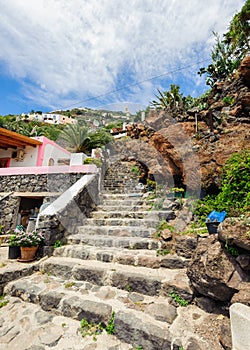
{"type": "Point", "coordinates": [14, 249]}
{"type": "Point", "coordinates": [29, 242]}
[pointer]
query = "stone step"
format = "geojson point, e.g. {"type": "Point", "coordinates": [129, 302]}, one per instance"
{"type": "Point", "coordinates": [123, 203]}
{"type": "Point", "coordinates": [122, 222]}
{"type": "Point", "coordinates": [119, 207]}
{"type": "Point", "coordinates": [118, 231]}
{"type": "Point", "coordinates": [153, 282]}
{"type": "Point", "coordinates": [138, 319]}
{"type": "Point", "coordinates": [12, 270]}
{"type": "Point", "coordinates": [113, 241]}
{"type": "Point", "coordinates": [27, 326]}
{"type": "Point", "coordinates": [130, 214]}
{"type": "Point", "coordinates": [146, 258]}
{"type": "Point", "coordinates": [122, 196]}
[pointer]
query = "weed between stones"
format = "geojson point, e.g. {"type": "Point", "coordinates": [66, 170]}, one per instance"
{"type": "Point", "coordinates": [4, 302]}
{"type": "Point", "coordinates": [57, 244]}
{"type": "Point", "coordinates": [178, 299]}
{"type": "Point", "coordinates": [90, 329]}
{"type": "Point", "coordinates": [162, 252]}
{"type": "Point", "coordinates": [69, 284]}
{"type": "Point", "coordinates": [94, 330]}
{"type": "Point", "coordinates": [110, 329]}
{"type": "Point", "coordinates": [231, 250]}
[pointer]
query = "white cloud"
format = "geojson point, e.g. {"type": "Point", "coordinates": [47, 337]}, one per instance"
{"type": "Point", "coordinates": [66, 51]}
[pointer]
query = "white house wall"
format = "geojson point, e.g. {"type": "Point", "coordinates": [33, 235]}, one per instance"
{"type": "Point", "coordinates": [29, 159]}
{"type": "Point", "coordinates": [54, 152]}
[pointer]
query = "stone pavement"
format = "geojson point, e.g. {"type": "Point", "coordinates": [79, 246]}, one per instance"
{"type": "Point", "coordinates": [24, 326]}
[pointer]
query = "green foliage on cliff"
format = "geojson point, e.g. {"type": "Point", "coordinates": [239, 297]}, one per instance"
{"type": "Point", "coordinates": [234, 197]}
{"type": "Point", "coordinates": [235, 190]}
{"type": "Point", "coordinates": [229, 50]}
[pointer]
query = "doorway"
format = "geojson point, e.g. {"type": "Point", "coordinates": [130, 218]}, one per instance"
{"type": "Point", "coordinates": [4, 162]}
{"type": "Point", "coordinates": [28, 209]}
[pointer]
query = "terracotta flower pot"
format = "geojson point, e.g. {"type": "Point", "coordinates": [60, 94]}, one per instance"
{"type": "Point", "coordinates": [28, 253]}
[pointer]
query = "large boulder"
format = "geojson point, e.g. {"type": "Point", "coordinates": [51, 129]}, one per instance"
{"type": "Point", "coordinates": [235, 231]}
{"type": "Point", "coordinates": [245, 69]}
{"type": "Point", "coordinates": [243, 296]}
{"type": "Point", "coordinates": [213, 272]}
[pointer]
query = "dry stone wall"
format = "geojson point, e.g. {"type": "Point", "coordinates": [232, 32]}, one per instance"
{"type": "Point", "coordinates": [9, 203]}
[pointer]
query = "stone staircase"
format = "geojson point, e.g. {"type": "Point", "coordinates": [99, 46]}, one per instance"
{"type": "Point", "coordinates": [120, 177]}
{"type": "Point", "coordinates": [112, 265]}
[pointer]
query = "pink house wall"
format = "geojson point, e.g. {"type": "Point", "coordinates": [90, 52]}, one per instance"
{"type": "Point", "coordinates": [42, 149]}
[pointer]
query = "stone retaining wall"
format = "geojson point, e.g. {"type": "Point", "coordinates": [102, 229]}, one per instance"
{"type": "Point", "coordinates": [38, 182]}
{"type": "Point", "coordinates": [9, 205]}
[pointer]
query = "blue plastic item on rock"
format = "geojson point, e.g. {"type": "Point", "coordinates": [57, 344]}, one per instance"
{"type": "Point", "coordinates": [216, 216]}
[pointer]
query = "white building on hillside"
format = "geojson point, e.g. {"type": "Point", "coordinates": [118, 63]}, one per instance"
{"type": "Point", "coordinates": [50, 118]}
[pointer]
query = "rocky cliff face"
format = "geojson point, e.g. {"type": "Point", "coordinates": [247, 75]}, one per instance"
{"type": "Point", "coordinates": [200, 142]}
{"type": "Point", "coordinates": [195, 145]}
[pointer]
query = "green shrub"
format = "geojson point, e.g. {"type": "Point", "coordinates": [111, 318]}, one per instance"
{"type": "Point", "coordinates": [135, 169]}
{"type": "Point", "coordinates": [234, 197]}
{"type": "Point", "coordinates": [95, 161]}
{"type": "Point", "coordinates": [228, 100]}
{"type": "Point", "coordinates": [235, 190]}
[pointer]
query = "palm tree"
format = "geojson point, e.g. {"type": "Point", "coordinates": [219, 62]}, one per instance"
{"type": "Point", "coordinates": [77, 137]}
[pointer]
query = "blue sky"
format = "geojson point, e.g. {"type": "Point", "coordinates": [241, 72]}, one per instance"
{"type": "Point", "coordinates": [60, 54]}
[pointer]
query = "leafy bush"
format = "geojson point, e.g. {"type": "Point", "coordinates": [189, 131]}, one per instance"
{"type": "Point", "coordinates": [235, 192]}
{"type": "Point", "coordinates": [234, 197]}
{"type": "Point", "coordinates": [13, 240]}
{"type": "Point", "coordinates": [95, 161]}
{"type": "Point", "coordinates": [29, 239]}
{"type": "Point", "coordinates": [228, 100]}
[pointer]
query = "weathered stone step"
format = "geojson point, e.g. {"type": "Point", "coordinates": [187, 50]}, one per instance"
{"type": "Point", "coordinates": [122, 222]}
{"type": "Point", "coordinates": [113, 241]}
{"type": "Point", "coordinates": [154, 215]}
{"type": "Point", "coordinates": [123, 207]}
{"type": "Point", "coordinates": [117, 231]}
{"type": "Point", "coordinates": [145, 258]}
{"type": "Point", "coordinates": [147, 319]}
{"type": "Point", "coordinates": [122, 196]}
{"type": "Point", "coordinates": [133, 278]}
{"type": "Point", "coordinates": [11, 271]}
{"type": "Point", "coordinates": [126, 204]}
{"type": "Point", "coordinates": [26, 326]}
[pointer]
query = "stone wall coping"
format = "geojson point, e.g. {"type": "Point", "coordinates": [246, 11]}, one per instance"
{"type": "Point", "coordinates": [61, 202]}
{"type": "Point", "coordinates": [36, 194]}
{"type": "Point", "coordinates": [86, 168]}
